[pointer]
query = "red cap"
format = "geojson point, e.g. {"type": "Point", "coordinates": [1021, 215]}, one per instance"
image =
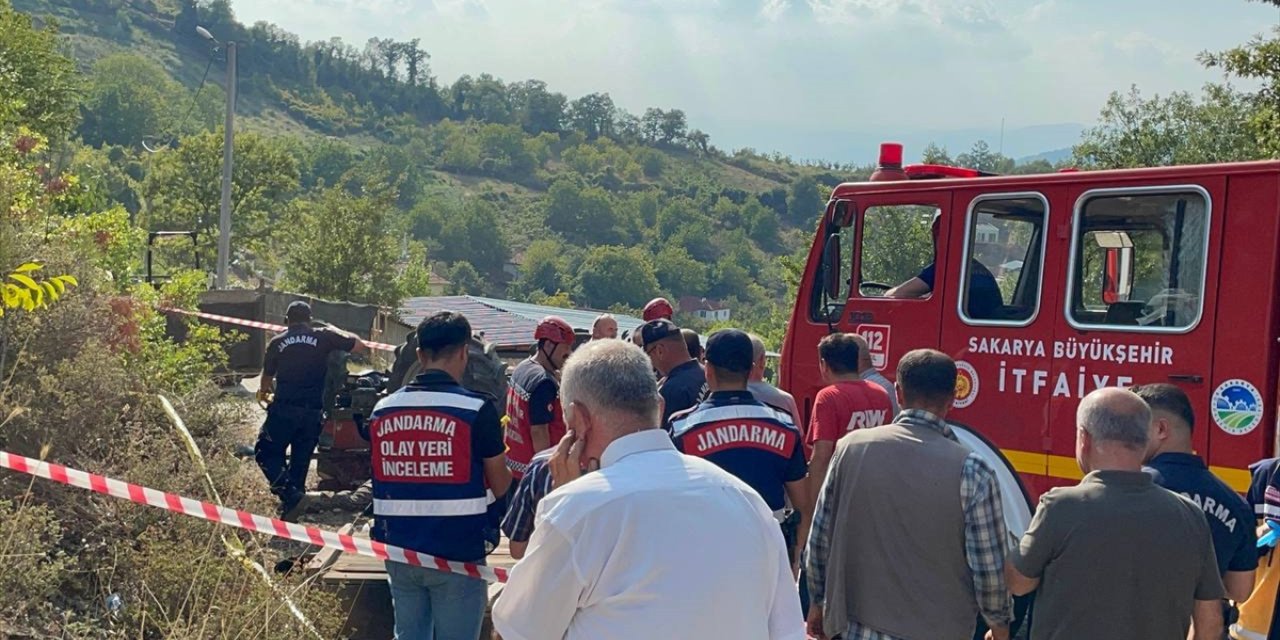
{"type": "Point", "coordinates": [891, 154]}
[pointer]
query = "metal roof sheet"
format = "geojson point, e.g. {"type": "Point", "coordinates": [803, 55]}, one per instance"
{"type": "Point", "coordinates": [505, 323]}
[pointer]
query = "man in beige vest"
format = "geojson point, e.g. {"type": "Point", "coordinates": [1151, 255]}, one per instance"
{"type": "Point", "coordinates": [908, 542]}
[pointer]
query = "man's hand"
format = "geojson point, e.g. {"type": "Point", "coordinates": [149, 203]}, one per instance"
{"type": "Point", "coordinates": [815, 622]}
{"type": "Point", "coordinates": [566, 462]}
{"type": "Point", "coordinates": [998, 633]}
{"type": "Point", "coordinates": [264, 397]}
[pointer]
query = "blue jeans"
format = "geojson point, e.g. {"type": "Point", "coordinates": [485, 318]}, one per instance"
{"type": "Point", "coordinates": [433, 605]}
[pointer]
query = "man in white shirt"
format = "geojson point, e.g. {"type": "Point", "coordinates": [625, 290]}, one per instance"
{"type": "Point", "coordinates": [653, 545]}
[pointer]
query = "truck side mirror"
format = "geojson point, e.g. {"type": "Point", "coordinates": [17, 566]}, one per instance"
{"type": "Point", "coordinates": [840, 212]}
{"type": "Point", "coordinates": [1117, 275]}
{"type": "Point", "coordinates": [831, 267]}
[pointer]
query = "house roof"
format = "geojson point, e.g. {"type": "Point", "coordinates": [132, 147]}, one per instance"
{"type": "Point", "coordinates": [690, 304]}
{"type": "Point", "coordinates": [505, 323]}
{"type": "Point", "coordinates": [436, 278]}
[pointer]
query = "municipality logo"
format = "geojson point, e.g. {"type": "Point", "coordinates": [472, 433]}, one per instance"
{"type": "Point", "coordinates": [1237, 407]}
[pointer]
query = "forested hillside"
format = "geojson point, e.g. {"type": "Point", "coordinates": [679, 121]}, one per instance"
{"type": "Point", "coordinates": [359, 160]}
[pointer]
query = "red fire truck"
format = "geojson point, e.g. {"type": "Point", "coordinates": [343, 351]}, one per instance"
{"type": "Point", "coordinates": [1106, 278]}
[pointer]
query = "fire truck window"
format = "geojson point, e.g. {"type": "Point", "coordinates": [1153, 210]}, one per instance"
{"type": "Point", "coordinates": [1002, 276]}
{"type": "Point", "coordinates": [1140, 261]}
{"type": "Point", "coordinates": [896, 246]}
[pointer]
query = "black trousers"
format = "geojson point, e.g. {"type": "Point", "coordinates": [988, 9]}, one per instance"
{"type": "Point", "coordinates": [297, 430]}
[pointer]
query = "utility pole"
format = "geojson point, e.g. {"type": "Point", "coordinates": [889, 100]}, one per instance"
{"type": "Point", "coordinates": [224, 223]}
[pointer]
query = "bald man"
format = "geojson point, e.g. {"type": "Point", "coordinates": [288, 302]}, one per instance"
{"type": "Point", "coordinates": [1117, 556]}
{"type": "Point", "coordinates": [604, 328]}
{"type": "Point", "coordinates": [867, 371]}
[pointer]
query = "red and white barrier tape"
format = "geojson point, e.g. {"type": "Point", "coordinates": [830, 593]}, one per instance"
{"type": "Point", "coordinates": [243, 519]}
{"type": "Point", "coordinates": [261, 325]}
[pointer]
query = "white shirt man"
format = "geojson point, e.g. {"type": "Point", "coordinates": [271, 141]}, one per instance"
{"type": "Point", "coordinates": [653, 545]}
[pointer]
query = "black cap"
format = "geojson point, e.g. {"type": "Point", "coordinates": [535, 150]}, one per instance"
{"type": "Point", "coordinates": [730, 349]}
{"type": "Point", "coordinates": [655, 330]}
{"type": "Point", "coordinates": [298, 311]}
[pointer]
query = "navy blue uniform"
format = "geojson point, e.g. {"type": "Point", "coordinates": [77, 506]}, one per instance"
{"type": "Point", "coordinates": [429, 443]}
{"type": "Point", "coordinates": [1231, 521]}
{"type": "Point", "coordinates": [984, 293]}
{"type": "Point", "coordinates": [298, 360]}
{"type": "Point", "coordinates": [746, 438]}
{"type": "Point", "coordinates": [683, 388]}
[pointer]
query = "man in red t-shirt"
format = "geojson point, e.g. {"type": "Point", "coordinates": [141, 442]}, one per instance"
{"type": "Point", "coordinates": [848, 403]}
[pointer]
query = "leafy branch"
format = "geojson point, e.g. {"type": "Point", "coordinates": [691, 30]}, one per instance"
{"type": "Point", "coordinates": [23, 289]}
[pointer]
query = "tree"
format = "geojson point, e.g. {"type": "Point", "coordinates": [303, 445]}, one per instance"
{"type": "Point", "coordinates": [339, 249]}
{"type": "Point", "coordinates": [542, 268]}
{"type": "Point", "coordinates": [982, 158]}
{"type": "Point", "coordinates": [1134, 131]}
{"type": "Point", "coordinates": [324, 161]}
{"type": "Point", "coordinates": [182, 189]}
{"type": "Point", "coordinates": [612, 275]}
{"type": "Point", "coordinates": [130, 98]}
{"type": "Point", "coordinates": [1259, 62]}
{"type": "Point", "coordinates": [580, 212]}
{"type": "Point", "coordinates": [804, 201]}
{"type": "Point", "coordinates": [674, 127]}
{"type": "Point", "coordinates": [464, 279]}
{"type": "Point", "coordinates": [415, 61]}
{"type": "Point", "coordinates": [651, 124]}
{"type": "Point", "coordinates": [700, 141]}
{"type": "Point", "coordinates": [934, 154]}
{"type": "Point", "coordinates": [593, 115]}
{"type": "Point", "coordinates": [679, 273]}
{"type": "Point", "coordinates": [540, 111]}
{"type": "Point", "coordinates": [34, 75]}
{"type": "Point", "coordinates": [469, 232]}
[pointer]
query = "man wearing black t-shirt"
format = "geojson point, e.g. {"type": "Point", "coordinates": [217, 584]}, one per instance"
{"type": "Point", "coordinates": [683, 384]}
{"type": "Point", "coordinates": [294, 370]}
{"type": "Point", "coordinates": [984, 298]}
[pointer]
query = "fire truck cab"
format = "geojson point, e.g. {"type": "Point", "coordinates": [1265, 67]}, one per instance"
{"type": "Point", "coordinates": [1104, 278]}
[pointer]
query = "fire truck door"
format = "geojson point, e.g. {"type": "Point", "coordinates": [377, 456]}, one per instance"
{"type": "Point", "coordinates": [1139, 293]}
{"type": "Point", "coordinates": [999, 316]}
{"type": "Point", "coordinates": [897, 304]}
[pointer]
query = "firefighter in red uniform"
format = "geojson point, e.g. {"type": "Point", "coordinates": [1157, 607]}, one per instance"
{"type": "Point", "coordinates": [533, 397]}
{"type": "Point", "coordinates": [744, 436]}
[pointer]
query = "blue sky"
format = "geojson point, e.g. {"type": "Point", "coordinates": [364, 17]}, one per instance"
{"type": "Point", "coordinates": [816, 78]}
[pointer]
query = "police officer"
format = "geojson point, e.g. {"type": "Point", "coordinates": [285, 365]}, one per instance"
{"type": "Point", "coordinates": [533, 397]}
{"type": "Point", "coordinates": [1175, 466]}
{"type": "Point", "coordinates": [294, 369]}
{"type": "Point", "coordinates": [437, 464]}
{"type": "Point", "coordinates": [744, 436]}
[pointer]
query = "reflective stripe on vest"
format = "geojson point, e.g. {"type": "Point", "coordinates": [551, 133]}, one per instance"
{"type": "Point", "coordinates": [728, 412]}
{"type": "Point", "coordinates": [462, 507]}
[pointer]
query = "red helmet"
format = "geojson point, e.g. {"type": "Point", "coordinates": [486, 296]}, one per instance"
{"type": "Point", "coordinates": [658, 308]}
{"type": "Point", "coordinates": [555, 330]}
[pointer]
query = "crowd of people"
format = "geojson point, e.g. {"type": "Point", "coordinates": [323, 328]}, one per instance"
{"type": "Point", "coordinates": [656, 486]}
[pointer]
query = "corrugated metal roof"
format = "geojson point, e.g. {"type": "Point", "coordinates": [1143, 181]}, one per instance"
{"type": "Point", "coordinates": [504, 322]}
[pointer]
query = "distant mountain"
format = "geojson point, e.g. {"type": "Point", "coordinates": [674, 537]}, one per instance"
{"type": "Point", "coordinates": [1054, 156]}
{"type": "Point", "coordinates": [860, 147]}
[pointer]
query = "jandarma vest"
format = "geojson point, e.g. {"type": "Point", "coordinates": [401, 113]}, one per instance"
{"type": "Point", "coordinates": [429, 490]}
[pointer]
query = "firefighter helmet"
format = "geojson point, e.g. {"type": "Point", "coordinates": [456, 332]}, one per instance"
{"type": "Point", "coordinates": [658, 308]}
{"type": "Point", "coordinates": [555, 330]}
